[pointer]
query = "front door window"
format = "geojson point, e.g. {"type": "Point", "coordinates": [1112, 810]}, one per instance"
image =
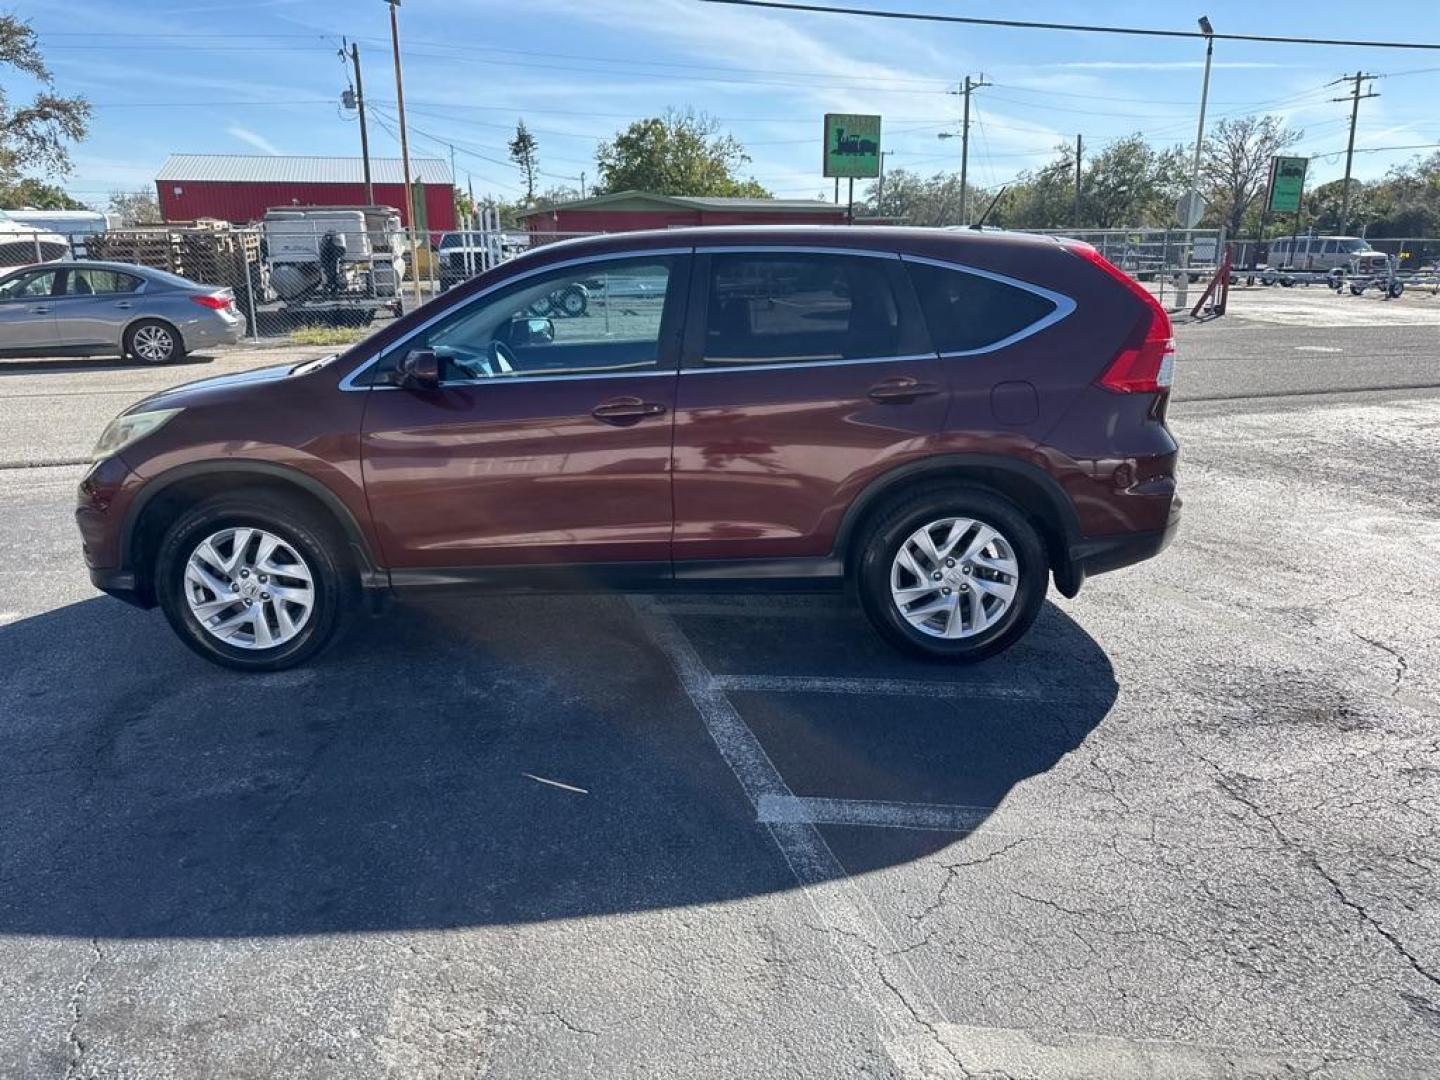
{"type": "Point", "coordinates": [601, 317]}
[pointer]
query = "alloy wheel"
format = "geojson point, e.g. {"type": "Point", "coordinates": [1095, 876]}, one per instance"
{"type": "Point", "coordinates": [249, 588]}
{"type": "Point", "coordinates": [153, 343]}
{"type": "Point", "coordinates": [954, 577]}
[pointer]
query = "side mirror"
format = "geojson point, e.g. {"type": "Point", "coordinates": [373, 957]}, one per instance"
{"type": "Point", "coordinates": [524, 333]}
{"type": "Point", "coordinates": [420, 370]}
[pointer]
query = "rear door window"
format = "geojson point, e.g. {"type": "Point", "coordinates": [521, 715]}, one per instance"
{"type": "Point", "coordinates": [89, 282]}
{"type": "Point", "coordinates": [802, 307]}
{"type": "Point", "coordinates": [968, 311]}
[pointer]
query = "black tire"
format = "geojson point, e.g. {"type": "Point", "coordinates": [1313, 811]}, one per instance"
{"type": "Point", "coordinates": [573, 302]}
{"type": "Point", "coordinates": [156, 329]}
{"type": "Point", "coordinates": [312, 537]}
{"type": "Point", "coordinates": [891, 529]}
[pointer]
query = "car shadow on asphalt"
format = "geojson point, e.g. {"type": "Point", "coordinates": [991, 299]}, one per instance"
{"type": "Point", "coordinates": [70, 365]}
{"type": "Point", "coordinates": [412, 777]}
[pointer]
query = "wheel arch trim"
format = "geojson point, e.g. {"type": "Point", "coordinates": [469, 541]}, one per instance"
{"type": "Point", "coordinates": [948, 465]}
{"type": "Point", "coordinates": [354, 534]}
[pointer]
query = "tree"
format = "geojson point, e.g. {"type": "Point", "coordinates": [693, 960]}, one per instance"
{"type": "Point", "coordinates": [525, 152]}
{"type": "Point", "coordinates": [33, 136]}
{"type": "Point", "coordinates": [36, 194]}
{"type": "Point", "coordinates": [912, 199]}
{"type": "Point", "coordinates": [1235, 164]}
{"type": "Point", "coordinates": [1043, 199]}
{"type": "Point", "coordinates": [681, 153]}
{"type": "Point", "coordinates": [1130, 183]}
{"type": "Point", "coordinates": [135, 207]}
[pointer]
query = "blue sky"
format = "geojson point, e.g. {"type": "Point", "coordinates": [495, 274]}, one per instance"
{"type": "Point", "coordinates": [264, 77]}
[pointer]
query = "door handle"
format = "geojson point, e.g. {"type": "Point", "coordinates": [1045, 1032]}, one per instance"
{"type": "Point", "coordinates": [39, 310]}
{"type": "Point", "coordinates": [122, 303]}
{"type": "Point", "coordinates": [898, 391]}
{"type": "Point", "coordinates": [626, 410]}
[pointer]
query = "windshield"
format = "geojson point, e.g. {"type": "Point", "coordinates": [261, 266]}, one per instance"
{"type": "Point", "coordinates": [1354, 246]}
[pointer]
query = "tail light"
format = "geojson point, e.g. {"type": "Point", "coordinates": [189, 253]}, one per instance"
{"type": "Point", "coordinates": [214, 301]}
{"type": "Point", "coordinates": [1145, 364]}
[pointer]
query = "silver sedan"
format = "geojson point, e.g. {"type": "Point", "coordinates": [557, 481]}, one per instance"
{"type": "Point", "coordinates": [110, 308]}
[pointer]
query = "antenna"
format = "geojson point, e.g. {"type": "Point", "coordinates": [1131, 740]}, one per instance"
{"type": "Point", "coordinates": [981, 223]}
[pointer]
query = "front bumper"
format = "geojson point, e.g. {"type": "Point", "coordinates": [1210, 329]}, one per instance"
{"type": "Point", "coordinates": [104, 495]}
{"type": "Point", "coordinates": [1099, 554]}
{"type": "Point", "coordinates": [121, 584]}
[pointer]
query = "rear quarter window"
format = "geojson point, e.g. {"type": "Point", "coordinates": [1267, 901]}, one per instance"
{"type": "Point", "coordinates": [966, 311]}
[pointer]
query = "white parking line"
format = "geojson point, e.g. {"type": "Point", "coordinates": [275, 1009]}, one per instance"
{"type": "Point", "coordinates": [951, 690]}
{"type": "Point", "coordinates": [998, 1051]}
{"type": "Point", "coordinates": [935, 817]}
{"type": "Point", "coordinates": [888, 982]}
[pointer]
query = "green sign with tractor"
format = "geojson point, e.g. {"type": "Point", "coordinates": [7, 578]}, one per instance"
{"type": "Point", "coordinates": [1287, 183]}
{"type": "Point", "coordinates": [852, 146]}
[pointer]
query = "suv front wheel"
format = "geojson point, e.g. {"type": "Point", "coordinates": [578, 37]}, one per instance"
{"type": "Point", "coordinates": [250, 581]}
{"type": "Point", "coordinates": [956, 575]}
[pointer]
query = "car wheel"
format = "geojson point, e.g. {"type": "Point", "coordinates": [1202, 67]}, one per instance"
{"type": "Point", "coordinates": [154, 342]}
{"type": "Point", "coordinates": [253, 582]}
{"type": "Point", "coordinates": [956, 575]}
{"type": "Point", "coordinates": [573, 302]}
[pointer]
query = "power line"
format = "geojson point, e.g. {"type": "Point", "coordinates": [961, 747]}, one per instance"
{"type": "Point", "coordinates": [1081, 28]}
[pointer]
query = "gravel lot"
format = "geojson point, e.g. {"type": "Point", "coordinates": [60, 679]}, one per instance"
{"type": "Point", "coordinates": [1186, 829]}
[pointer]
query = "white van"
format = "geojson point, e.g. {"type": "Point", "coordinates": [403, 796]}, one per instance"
{"type": "Point", "coordinates": [1320, 253]}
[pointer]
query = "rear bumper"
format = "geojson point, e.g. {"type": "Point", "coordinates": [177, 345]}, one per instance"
{"type": "Point", "coordinates": [1099, 554]}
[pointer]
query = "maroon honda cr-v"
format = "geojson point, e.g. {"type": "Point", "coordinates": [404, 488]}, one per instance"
{"type": "Point", "coordinates": [941, 419]}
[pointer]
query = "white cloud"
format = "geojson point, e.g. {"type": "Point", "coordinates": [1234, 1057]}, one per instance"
{"type": "Point", "coordinates": [255, 139]}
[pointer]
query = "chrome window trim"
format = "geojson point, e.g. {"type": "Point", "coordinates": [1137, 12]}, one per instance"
{"type": "Point", "coordinates": [791, 249]}
{"type": "Point", "coordinates": [348, 383]}
{"type": "Point", "coordinates": [1064, 305]}
{"type": "Point", "coordinates": [762, 365]}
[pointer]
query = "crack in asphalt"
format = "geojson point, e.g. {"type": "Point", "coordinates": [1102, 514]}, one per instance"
{"type": "Point", "coordinates": [1402, 666]}
{"type": "Point", "coordinates": [76, 1045]}
{"type": "Point", "coordinates": [1228, 786]}
{"type": "Point", "coordinates": [951, 872]}
{"type": "Point", "coordinates": [556, 1014]}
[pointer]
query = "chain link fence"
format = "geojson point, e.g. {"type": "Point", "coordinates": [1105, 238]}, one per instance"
{"type": "Point", "coordinates": [329, 276]}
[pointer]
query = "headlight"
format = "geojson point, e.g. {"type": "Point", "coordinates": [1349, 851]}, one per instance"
{"type": "Point", "coordinates": [126, 430]}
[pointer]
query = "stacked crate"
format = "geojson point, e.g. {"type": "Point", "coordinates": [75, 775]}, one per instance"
{"type": "Point", "coordinates": [208, 251]}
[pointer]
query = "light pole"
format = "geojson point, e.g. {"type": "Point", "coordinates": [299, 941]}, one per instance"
{"type": "Point", "coordinates": [405, 151]}
{"type": "Point", "coordinates": [1191, 215]}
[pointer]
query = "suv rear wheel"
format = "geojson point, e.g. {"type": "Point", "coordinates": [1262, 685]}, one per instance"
{"type": "Point", "coordinates": [955, 575]}
{"type": "Point", "coordinates": [249, 581]}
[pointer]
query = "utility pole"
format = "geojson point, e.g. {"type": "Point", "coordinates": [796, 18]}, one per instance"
{"type": "Point", "coordinates": [454, 185]}
{"type": "Point", "coordinates": [404, 148]}
{"type": "Point", "coordinates": [582, 183]}
{"type": "Point", "coordinates": [971, 85]}
{"type": "Point", "coordinates": [1079, 150]}
{"type": "Point", "coordinates": [880, 187]}
{"type": "Point", "coordinates": [1354, 97]}
{"type": "Point", "coordinates": [364, 133]}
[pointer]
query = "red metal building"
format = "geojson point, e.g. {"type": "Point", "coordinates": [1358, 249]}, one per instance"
{"type": "Point", "coordinates": [626, 211]}
{"type": "Point", "coordinates": [239, 187]}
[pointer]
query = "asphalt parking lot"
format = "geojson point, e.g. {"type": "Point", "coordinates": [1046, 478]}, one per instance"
{"type": "Point", "coordinates": [1187, 828]}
